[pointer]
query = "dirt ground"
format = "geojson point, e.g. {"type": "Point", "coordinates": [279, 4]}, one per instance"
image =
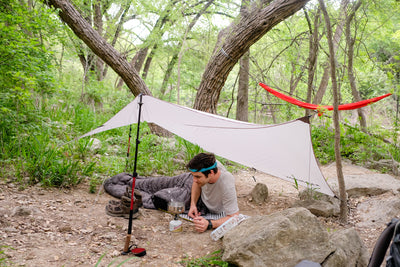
{"type": "Point", "coordinates": [51, 227]}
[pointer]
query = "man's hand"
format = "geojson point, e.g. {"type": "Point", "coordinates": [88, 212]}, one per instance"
{"type": "Point", "coordinates": [193, 212]}
{"type": "Point", "coordinates": [200, 224]}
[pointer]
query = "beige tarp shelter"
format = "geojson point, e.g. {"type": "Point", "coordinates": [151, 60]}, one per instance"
{"type": "Point", "coordinates": [282, 150]}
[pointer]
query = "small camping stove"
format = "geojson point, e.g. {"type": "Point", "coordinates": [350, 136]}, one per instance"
{"type": "Point", "coordinates": [176, 207]}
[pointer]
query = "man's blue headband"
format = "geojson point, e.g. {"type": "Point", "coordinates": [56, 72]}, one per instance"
{"type": "Point", "coordinates": [204, 169]}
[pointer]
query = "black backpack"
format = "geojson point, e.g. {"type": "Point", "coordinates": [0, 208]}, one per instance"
{"type": "Point", "coordinates": [394, 257]}
{"type": "Point", "coordinates": [390, 236]}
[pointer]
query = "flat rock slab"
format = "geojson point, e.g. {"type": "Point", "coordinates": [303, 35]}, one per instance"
{"type": "Point", "coordinates": [367, 184]}
{"type": "Point", "coordinates": [374, 213]}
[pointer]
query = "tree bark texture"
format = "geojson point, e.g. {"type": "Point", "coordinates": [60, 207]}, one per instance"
{"type": "Point", "coordinates": [234, 41]}
{"type": "Point", "coordinates": [98, 26]}
{"type": "Point", "coordinates": [312, 55]}
{"type": "Point", "coordinates": [242, 106]}
{"type": "Point", "coordinates": [99, 46]}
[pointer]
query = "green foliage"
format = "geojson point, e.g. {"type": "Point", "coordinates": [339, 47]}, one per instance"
{"type": "Point", "coordinates": [214, 259]}
{"type": "Point", "coordinates": [156, 155]}
{"type": "Point", "coordinates": [45, 164]}
{"type": "Point", "coordinates": [355, 144]}
{"type": "Point", "coordinates": [114, 261]}
{"type": "Point", "coordinates": [311, 191]}
{"type": "Point", "coordinates": [323, 140]}
{"type": "Point", "coordinates": [26, 74]}
{"type": "Point", "coordinates": [4, 261]}
{"type": "Point", "coordinates": [26, 64]}
{"type": "Point", "coordinates": [33, 154]}
{"type": "Point", "coordinates": [191, 149]}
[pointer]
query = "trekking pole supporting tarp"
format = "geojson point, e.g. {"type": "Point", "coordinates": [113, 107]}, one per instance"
{"type": "Point", "coordinates": [128, 236]}
{"type": "Point", "coordinates": [129, 146]}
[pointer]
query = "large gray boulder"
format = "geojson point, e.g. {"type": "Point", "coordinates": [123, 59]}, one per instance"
{"type": "Point", "coordinates": [279, 239]}
{"type": "Point", "coordinates": [350, 250]}
{"type": "Point", "coordinates": [288, 237]}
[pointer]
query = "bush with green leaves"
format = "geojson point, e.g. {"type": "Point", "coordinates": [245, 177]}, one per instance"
{"type": "Point", "coordinates": [213, 259]}
{"type": "Point", "coordinates": [355, 144]}
{"type": "Point", "coordinates": [4, 261]}
{"type": "Point", "coordinates": [26, 69]}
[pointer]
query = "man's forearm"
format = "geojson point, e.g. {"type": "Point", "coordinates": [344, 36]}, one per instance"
{"type": "Point", "coordinates": [219, 222]}
{"type": "Point", "coordinates": [196, 190]}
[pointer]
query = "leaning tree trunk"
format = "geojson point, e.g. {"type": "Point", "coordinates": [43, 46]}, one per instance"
{"type": "Point", "coordinates": [234, 41]}
{"type": "Point", "coordinates": [99, 46]}
{"type": "Point", "coordinates": [104, 50]}
{"type": "Point", "coordinates": [338, 158]}
{"type": "Point", "coordinates": [148, 62]}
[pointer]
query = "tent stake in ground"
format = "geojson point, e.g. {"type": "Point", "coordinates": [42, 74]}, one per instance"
{"type": "Point", "coordinates": [128, 236]}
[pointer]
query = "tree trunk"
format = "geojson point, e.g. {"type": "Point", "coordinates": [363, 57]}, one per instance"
{"type": "Point", "coordinates": [99, 46]}
{"type": "Point", "coordinates": [336, 39]}
{"type": "Point", "coordinates": [312, 55]}
{"type": "Point", "coordinates": [350, 70]}
{"type": "Point", "coordinates": [234, 41]}
{"type": "Point", "coordinates": [156, 33]}
{"type": "Point", "coordinates": [338, 158]}
{"type": "Point", "coordinates": [269, 107]}
{"type": "Point", "coordinates": [175, 56]}
{"type": "Point", "coordinates": [136, 62]}
{"type": "Point", "coordinates": [140, 58]}
{"type": "Point", "coordinates": [242, 106]}
{"type": "Point", "coordinates": [122, 19]}
{"type": "Point", "coordinates": [98, 26]}
{"type": "Point", "coordinates": [148, 62]}
{"type": "Point", "coordinates": [168, 73]}
{"type": "Point", "coordinates": [295, 78]}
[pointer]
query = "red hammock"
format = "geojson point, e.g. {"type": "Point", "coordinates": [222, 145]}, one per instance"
{"type": "Point", "coordinates": [320, 108]}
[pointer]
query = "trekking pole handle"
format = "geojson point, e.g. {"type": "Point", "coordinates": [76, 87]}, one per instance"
{"type": "Point", "coordinates": [127, 241]}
